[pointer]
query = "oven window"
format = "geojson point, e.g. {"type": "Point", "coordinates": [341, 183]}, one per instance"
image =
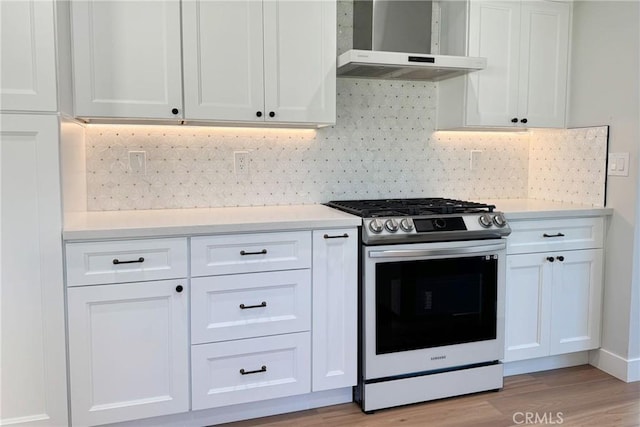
{"type": "Point", "coordinates": [431, 303]}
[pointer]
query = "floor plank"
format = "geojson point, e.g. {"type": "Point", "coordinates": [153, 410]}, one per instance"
{"type": "Point", "coordinates": [578, 396]}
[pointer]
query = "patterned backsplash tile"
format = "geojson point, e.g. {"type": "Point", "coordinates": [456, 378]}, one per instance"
{"type": "Point", "coordinates": [569, 165]}
{"type": "Point", "coordinates": [383, 145]}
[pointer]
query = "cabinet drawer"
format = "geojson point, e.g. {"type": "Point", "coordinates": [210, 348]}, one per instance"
{"type": "Point", "coordinates": [248, 253]}
{"type": "Point", "coordinates": [250, 305]}
{"type": "Point", "coordinates": [125, 261]}
{"type": "Point", "coordinates": [250, 370]}
{"type": "Point", "coordinates": [554, 235]}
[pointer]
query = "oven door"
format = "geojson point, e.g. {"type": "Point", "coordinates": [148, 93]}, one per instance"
{"type": "Point", "coordinates": [431, 306]}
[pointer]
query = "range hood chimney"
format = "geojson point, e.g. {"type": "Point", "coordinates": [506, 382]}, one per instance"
{"type": "Point", "coordinates": [392, 40]}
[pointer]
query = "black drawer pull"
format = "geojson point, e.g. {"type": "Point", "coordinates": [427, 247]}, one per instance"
{"type": "Point", "coordinates": [262, 252]}
{"type": "Point", "coordinates": [550, 259]}
{"type": "Point", "coordinates": [257, 371]}
{"type": "Point", "coordinates": [117, 261]}
{"type": "Point", "coordinates": [560, 258]}
{"type": "Point", "coordinates": [553, 235]}
{"type": "Point", "coordinates": [344, 236]}
{"type": "Point", "coordinates": [262, 304]}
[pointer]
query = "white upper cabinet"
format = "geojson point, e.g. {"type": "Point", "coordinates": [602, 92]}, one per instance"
{"type": "Point", "coordinates": [127, 59]}
{"type": "Point", "coordinates": [223, 64]}
{"type": "Point", "coordinates": [300, 61]}
{"type": "Point", "coordinates": [27, 64]}
{"type": "Point", "coordinates": [253, 61]}
{"type": "Point", "coordinates": [244, 61]}
{"type": "Point", "coordinates": [525, 83]}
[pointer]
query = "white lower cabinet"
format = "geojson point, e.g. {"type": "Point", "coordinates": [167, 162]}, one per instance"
{"type": "Point", "coordinates": [32, 355]}
{"type": "Point", "coordinates": [335, 308]}
{"type": "Point", "coordinates": [554, 299]}
{"type": "Point", "coordinates": [272, 315]}
{"type": "Point", "coordinates": [128, 351]}
{"type": "Point", "coordinates": [242, 371]}
{"type": "Point", "coordinates": [240, 306]}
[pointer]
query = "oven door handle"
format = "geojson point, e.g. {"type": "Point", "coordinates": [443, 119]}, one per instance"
{"type": "Point", "coordinates": [401, 253]}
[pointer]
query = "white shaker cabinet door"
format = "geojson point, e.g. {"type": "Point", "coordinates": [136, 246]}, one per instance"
{"type": "Point", "coordinates": [577, 301]}
{"type": "Point", "coordinates": [300, 61]}
{"type": "Point", "coordinates": [223, 63]}
{"type": "Point", "coordinates": [128, 351]}
{"type": "Point", "coordinates": [126, 59]}
{"type": "Point", "coordinates": [528, 306]}
{"type": "Point", "coordinates": [544, 57]}
{"type": "Point", "coordinates": [492, 94]}
{"type": "Point", "coordinates": [33, 361]}
{"type": "Point", "coordinates": [28, 63]}
{"type": "Point", "coordinates": [335, 308]}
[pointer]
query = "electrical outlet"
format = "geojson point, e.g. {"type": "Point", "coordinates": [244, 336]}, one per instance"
{"type": "Point", "coordinates": [138, 162]}
{"type": "Point", "coordinates": [241, 163]}
{"type": "Point", "coordinates": [474, 159]}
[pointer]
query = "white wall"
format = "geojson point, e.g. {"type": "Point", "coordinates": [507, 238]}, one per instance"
{"type": "Point", "coordinates": [605, 91]}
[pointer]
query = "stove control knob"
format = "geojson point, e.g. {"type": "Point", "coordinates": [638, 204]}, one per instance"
{"type": "Point", "coordinates": [375, 225]}
{"type": "Point", "coordinates": [499, 220]}
{"type": "Point", "coordinates": [406, 224]}
{"type": "Point", "coordinates": [391, 225]}
{"type": "Point", "coordinates": [485, 220]}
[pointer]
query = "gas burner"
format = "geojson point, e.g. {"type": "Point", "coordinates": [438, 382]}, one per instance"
{"type": "Point", "coordinates": [424, 220]}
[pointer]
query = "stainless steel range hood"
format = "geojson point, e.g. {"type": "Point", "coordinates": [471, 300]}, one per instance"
{"type": "Point", "coordinates": [392, 40]}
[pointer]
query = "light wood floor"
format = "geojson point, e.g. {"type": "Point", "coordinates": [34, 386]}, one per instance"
{"type": "Point", "coordinates": [583, 395]}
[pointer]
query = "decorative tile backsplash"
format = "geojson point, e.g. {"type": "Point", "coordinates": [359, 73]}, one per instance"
{"type": "Point", "coordinates": [568, 165]}
{"type": "Point", "coordinates": [383, 145]}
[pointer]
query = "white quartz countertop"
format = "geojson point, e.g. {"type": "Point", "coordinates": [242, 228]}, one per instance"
{"type": "Point", "coordinates": [183, 222]}
{"type": "Point", "coordinates": [534, 209]}
{"type": "Point", "coordinates": [179, 222]}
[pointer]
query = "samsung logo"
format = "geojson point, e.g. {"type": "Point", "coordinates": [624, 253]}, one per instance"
{"type": "Point", "coordinates": [438, 357]}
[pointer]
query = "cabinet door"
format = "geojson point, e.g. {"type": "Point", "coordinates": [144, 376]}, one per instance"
{"type": "Point", "coordinates": [544, 50]}
{"type": "Point", "coordinates": [126, 58]}
{"type": "Point", "coordinates": [528, 306]}
{"type": "Point", "coordinates": [33, 362]}
{"type": "Point", "coordinates": [128, 351]}
{"type": "Point", "coordinates": [223, 63]}
{"type": "Point", "coordinates": [28, 64]}
{"type": "Point", "coordinates": [492, 94]}
{"type": "Point", "coordinates": [335, 308]}
{"type": "Point", "coordinates": [300, 61]}
{"type": "Point", "coordinates": [576, 301]}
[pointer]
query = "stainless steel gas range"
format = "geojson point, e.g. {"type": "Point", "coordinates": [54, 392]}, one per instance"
{"type": "Point", "coordinates": [431, 289]}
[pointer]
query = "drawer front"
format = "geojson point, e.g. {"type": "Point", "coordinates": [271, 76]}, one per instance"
{"type": "Point", "coordinates": [250, 370]}
{"type": "Point", "coordinates": [249, 253]}
{"type": "Point", "coordinates": [554, 235]}
{"type": "Point", "coordinates": [250, 305]}
{"type": "Point", "coordinates": [125, 261]}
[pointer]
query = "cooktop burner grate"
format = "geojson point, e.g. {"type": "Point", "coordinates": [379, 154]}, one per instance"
{"type": "Point", "coordinates": [409, 207]}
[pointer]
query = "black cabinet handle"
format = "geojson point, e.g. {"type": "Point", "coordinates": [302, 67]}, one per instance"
{"type": "Point", "coordinates": [174, 111]}
{"type": "Point", "coordinates": [550, 259]}
{"type": "Point", "coordinates": [257, 371]}
{"type": "Point", "coordinates": [524, 121]}
{"type": "Point", "coordinates": [179, 288]}
{"type": "Point", "coordinates": [560, 258]}
{"type": "Point", "coordinates": [116, 261]}
{"type": "Point", "coordinates": [262, 304]}
{"type": "Point", "coordinates": [272, 114]}
{"type": "Point", "coordinates": [343, 236]}
{"type": "Point", "coordinates": [553, 235]}
{"type": "Point", "coordinates": [262, 252]}
{"type": "Point", "coordinates": [514, 120]}
{"type": "Point", "coordinates": [259, 113]}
